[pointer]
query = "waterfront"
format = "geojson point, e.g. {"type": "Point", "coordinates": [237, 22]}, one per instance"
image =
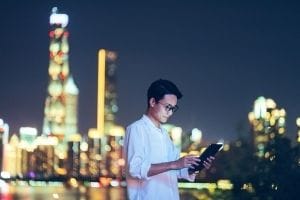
{"type": "Point", "coordinates": [57, 190]}
{"type": "Point", "coordinates": [39, 191]}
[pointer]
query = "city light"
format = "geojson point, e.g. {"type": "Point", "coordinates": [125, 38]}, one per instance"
{"type": "Point", "coordinates": [59, 156]}
{"type": "Point", "coordinates": [196, 135]}
{"type": "Point", "coordinates": [55, 18]}
{"type": "Point", "coordinates": [298, 121]}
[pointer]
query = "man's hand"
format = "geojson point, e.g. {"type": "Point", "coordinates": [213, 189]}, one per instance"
{"type": "Point", "coordinates": [186, 161]}
{"type": "Point", "coordinates": [206, 164]}
{"type": "Point", "coordinates": [208, 161]}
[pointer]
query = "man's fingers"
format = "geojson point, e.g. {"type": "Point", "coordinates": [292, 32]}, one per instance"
{"type": "Point", "coordinates": [206, 165]}
{"type": "Point", "coordinates": [211, 158]}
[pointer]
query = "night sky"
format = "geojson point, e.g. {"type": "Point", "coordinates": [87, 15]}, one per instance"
{"type": "Point", "coordinates": [221, 54]}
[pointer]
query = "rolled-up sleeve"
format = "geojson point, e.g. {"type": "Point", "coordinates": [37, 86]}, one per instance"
{"type": "Point", "coordinates": [183, 173]}
{"type": "Point", "coordinates": [138, 164]}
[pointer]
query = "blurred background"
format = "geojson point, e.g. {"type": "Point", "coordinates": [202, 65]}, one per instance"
{"type": "Point", "coordinates": [75, 74]}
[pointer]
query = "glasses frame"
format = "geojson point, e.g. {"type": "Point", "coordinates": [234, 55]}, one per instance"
{"type": "Point", "coordinates": [168, 107]}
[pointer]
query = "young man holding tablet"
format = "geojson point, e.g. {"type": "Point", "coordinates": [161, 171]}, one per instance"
{"type": "Point", "coordinates": [153, 164]}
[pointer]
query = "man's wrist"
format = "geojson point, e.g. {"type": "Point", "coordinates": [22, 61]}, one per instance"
{"type": "Point", "coordinates": [173, 165]}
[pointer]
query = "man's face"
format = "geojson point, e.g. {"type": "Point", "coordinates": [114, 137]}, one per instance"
{"type": "Point", "coordinates": [164, 108]}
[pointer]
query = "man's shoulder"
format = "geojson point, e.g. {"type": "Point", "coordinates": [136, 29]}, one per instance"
{"type": "Point", "coordinates": [136, 123]}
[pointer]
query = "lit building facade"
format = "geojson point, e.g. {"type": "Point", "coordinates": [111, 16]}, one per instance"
{"type": "Point", "coordinates": [11, 160]}
{"type": "Point", "coordinates": [61, 102]}
{"type": "Point", "coordinates": [297, 147]}
{"type": "Point", "coordinates": [111, 106]}
{"type": "Point", "coordinates": [44, 155]}
{"type": "Point", "coordinates": [298, 130]}
{"type": "Point", "coordinates": [107, 95]}
{"type": "Point", "coordinates": [114, 161]}
{"type": "Point", "coordinates": [84, 160]}
{"type": "Point", "coordinates": [71, 100]}
{"type": "Point", "coordinates": [267, 122]}
{"type": "Point", "coordinates": [109, 134]}
{"type": "Point", "coordinates": [4, 128]}
{"type": "Point", "coordinates": [73, 156]}
{"type": "Point", "coordinates": [28, 135]}
{"type": "Point", "coordinates": [96, 157]}
{"type": "Point", "coordinates": [1, 144]}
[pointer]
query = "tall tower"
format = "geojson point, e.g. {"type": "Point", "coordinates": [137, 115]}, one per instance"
{"type": "Point", "coordinates": [1, 143]}
{"type": "Point", "coordinates": [298, 130]}
{"type": "Point", "coordinates": [105, 141]}
{"type": "Point", "coordinates": [61, 102]}
{"type": "Point", "coordinates": [267, 122]}
{"type": "Point", "coordinates": [107, 95]}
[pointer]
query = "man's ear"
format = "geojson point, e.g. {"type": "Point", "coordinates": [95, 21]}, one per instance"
{"type": "Point", "coordinates": [152, 102]}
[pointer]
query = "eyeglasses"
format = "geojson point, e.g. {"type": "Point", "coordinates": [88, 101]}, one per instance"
{"type": "Point", "coordinates": [169, 107]}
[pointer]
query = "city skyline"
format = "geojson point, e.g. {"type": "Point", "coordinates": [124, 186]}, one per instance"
{"type": "Point", "coordinates": [222, 56]}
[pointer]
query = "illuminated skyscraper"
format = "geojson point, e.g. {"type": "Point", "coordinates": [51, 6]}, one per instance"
{"type": "Point", "coordinates": [1, 144]}
{"type": "Point", "coordinates": [107, 96]}
{"type": "Point", "coordinates": [61, 103]}
{"type": "Point", "coordinates": [73, 158]}
{"type": "Point", "coordinates": [28, 136]}
{"type": "Point", "coordinates": [11, 160]}
{"type": "Point", "coordinates": [5, 131]}
{"type": "Point", "coordinates": [114, 161]}
{"type": "Point", "coordinates": [298, 129]}
{"type": "Point", "coordinates": [84, 160]}
{"type": "Point", "coordinates": [71, 100]}
{"type": "Point", "coordinates": [108, 135]}
{"type": "Point", "coordinates": [267, 122]}
{"type": "Point", "coordinates": [44, 157]}
{"type": "Point", "coordinates": [96, 157]}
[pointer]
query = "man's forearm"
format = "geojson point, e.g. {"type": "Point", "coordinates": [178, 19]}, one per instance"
{"type": "Point", "coordinates": [161, 167]}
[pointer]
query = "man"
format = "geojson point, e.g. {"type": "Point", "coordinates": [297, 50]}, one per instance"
{"type": "Point", "coordinates": [152, 161]}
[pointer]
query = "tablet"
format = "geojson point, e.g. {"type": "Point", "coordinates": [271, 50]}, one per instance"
{"type": "Point", "coordinates": [211, 150]}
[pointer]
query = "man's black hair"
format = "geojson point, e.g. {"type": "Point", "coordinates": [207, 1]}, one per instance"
{"type": "Point", "coordinates": [159, 88]}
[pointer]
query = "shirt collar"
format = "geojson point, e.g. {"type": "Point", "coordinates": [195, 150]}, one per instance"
{"type": "Point", "coordinates": [148, 121]}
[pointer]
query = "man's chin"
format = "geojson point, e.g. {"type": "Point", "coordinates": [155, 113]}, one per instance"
{"type": "Point", "coordinates": [163, 121]}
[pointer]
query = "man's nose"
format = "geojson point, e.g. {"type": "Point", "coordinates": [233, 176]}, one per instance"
{"type": "Point", "coordinates": [170, 112]}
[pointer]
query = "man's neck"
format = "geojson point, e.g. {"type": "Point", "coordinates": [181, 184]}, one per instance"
{"type": "Point", "coordinates": [155, 122]}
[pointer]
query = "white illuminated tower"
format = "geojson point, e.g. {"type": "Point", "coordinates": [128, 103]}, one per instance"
{"type": "Point", "coordinates": [267, 122]}
{"type": "Point", "coordinates": [298, 130]}
{"type": "Point", "coordinates": [61, 103]}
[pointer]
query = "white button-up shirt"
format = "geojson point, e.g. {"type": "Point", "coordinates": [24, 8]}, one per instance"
{"type": "Point", "coordinates": [145, 144]}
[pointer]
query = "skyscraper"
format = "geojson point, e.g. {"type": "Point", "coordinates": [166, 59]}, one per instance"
{"type": "Point", "coordinates": [108, 134]}
{"type": "Point", "coordinates": [298, 129]}
{"type": "Point", "coordinates": [60, 111]}
{"type": "Point", "coordinates": [107, 95]}
{"type": "Point", "coordinates": [1, 144]}
{"type": "Point", "coordinates": [267, 122]}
